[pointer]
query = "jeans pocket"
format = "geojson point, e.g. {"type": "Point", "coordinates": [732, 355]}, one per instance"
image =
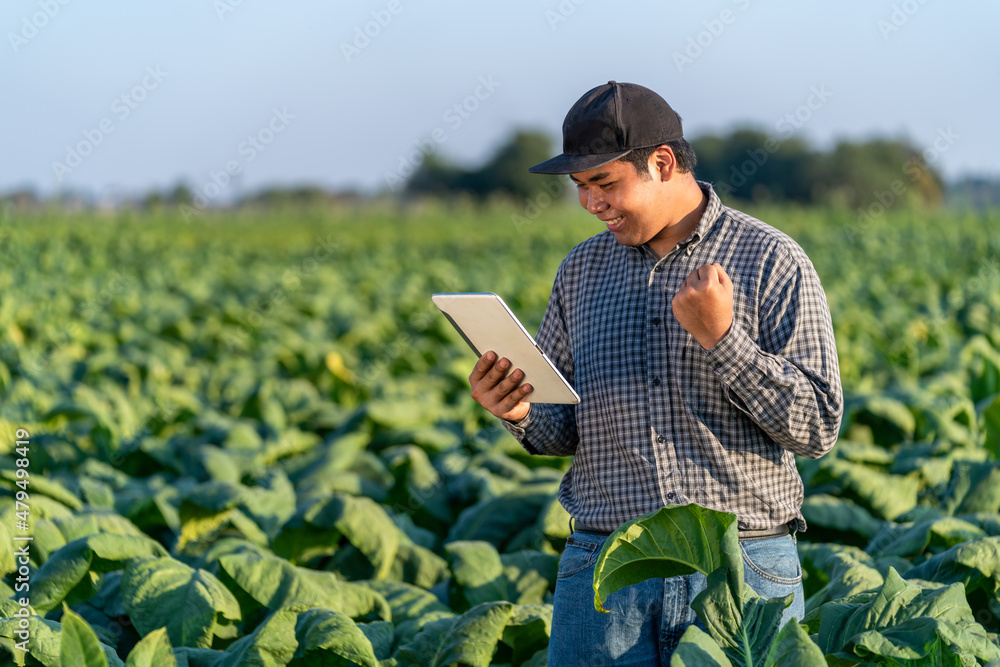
{"type": "Point", "coordinates": [774, 560]}
{"type": "Point", "coordinates": [579, 555]}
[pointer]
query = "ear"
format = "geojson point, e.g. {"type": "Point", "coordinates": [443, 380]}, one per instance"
{"type": "Point", "coordinates": [663, 162]}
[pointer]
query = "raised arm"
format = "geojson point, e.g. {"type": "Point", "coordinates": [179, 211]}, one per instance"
{"type": "Point", "coordinates": [789, 383]}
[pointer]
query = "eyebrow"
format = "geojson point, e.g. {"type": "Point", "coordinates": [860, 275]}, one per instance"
{"type": "Point", "coordinates": [595, 177]}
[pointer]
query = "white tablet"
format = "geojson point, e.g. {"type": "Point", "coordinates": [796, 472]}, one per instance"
{"type": "Point", "coordinates": [486, 323]}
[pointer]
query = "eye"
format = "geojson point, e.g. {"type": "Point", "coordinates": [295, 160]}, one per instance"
{"type": "Point", "coordinates": [605, 186]}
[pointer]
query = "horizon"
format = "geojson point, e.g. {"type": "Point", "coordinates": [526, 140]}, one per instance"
{"type": "Point", "coordinates": [346, 98]}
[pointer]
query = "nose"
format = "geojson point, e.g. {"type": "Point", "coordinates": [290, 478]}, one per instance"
{"type": "Point", "coordinates": [595, 203]}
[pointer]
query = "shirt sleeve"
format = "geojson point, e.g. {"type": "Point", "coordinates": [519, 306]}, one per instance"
{"type": "Point", "coordinates": [788, 381]}
{"type": "Point", "coordinates": [550, 428]}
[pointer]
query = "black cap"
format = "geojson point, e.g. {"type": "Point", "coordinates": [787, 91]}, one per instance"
{"type": "Point", "coordinates": [608, 122]}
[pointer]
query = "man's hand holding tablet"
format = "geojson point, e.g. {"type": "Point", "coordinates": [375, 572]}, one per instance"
{"type": "Point", "coordinates": [496, 390]}
{"type": "Point", "coordinates": [512, 370]}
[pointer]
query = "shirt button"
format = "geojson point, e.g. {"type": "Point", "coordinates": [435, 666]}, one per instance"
{"type": "Point", "coordinates": [658, 268]}
{"type": "Point", "coordinates": [660, 439]}
{"type": "Point", "coordinates": [656, 382]}
{"type": "Point", "coordinates": [670, 496]}
{"type": "Point", "coordinates": [656, 320]}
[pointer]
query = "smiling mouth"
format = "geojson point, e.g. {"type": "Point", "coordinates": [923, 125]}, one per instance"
{"type": "Point", "coordinates": [615, 224]}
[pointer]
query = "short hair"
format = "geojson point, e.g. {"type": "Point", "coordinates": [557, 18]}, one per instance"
{"type": "Point", "coordinates": [683, 153]}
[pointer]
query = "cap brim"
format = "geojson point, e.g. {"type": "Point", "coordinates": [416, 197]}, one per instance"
{"type": "Point", "coordinates": [573, 164]}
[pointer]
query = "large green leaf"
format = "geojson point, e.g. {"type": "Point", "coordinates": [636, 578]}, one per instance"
{"type": "Point", "coordinates": [746, 625]}
{"type": "Point", "coordinates": [192, 604]}
{"type": "Point", "coordinates": [841, 624]}
{"type": "Point", "coordinates": [497, 519]}
{"type": "Point", "coordinates": [317, 529]}
{"type": "Point", "coordinates": [272, 643]}
{"type": "Point", "coordinates": [44, 642]}
{"type": "Point", "coordinates": [418, 486]}
{"type": "Point", "coordinates": [974, 564]}
{"type": "Point", "coordinates": [411, 607]}
{"type": "Point", "coordinates": [211, 508]}
{"type": "Point", "coordinates": [849, 571]}
{"type": "Point", "coordinates": [974, 487]}
{"type": "Point", "coordinates": [480, 574]}
{"type": "Point", "coordinates": [153, 650]}
{"type": "Point", "coordinates": [928, 641]}
{"type": "Point", "coordinates": [469, 639]}
{"type": "Point", "coordinates": [792, 646]}
{"type": "Point", "coordinates": [528, 631]}
{"type": "Point", "coordinates": [325, 635]}
{"type": "Point", "coordinates": [79, 646]}
{"type": "Point", "coordinates": [669, 542]}
{"type": "Point", "coordinates": [823, 511]}
{"type": "Point", "coordinates": [911, 541]}
{"type": "Point", "coordinates": [418, 565]}
{"type": "Point", "coordinates": [696, 648]}
{"type": "Point", "coordinates": [886, 496]}
{"type": "Point", "coordinates": [275, 583]}
{"type": "Point", "coordinates": [67, 574]}
{"type": "Point", "coordinates": [43, 486]}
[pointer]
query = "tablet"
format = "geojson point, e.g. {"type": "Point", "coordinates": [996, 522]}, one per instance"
{"type": "Point", "coordinates": [486, 323]}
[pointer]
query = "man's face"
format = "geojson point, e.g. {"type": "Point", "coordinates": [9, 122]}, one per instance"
{"type": "Point", "coordinates": [630, 206]}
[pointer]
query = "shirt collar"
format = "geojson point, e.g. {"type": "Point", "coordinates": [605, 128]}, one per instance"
{"type": "Point", "coordinates": [713, 211]}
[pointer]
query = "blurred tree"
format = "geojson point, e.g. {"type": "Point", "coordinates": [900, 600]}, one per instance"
{"type": "Point", "coordinates": [749, 164]}
{"type": "Point", "coordinates": [180, 194]}
{"type": "Point", "coordinates": [888, 171]}
{"type": "Point", "coordinates": [506, 172]}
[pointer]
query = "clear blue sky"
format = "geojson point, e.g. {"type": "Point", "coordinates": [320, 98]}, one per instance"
{"type": "Point", "coordinates": [200, 77]}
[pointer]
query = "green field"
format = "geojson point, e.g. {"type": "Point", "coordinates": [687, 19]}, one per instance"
{"type": "Point", "coordinates": [254, 429]}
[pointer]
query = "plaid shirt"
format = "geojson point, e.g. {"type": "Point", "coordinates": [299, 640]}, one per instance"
{"type": "Point", "coordinates": [663, 421]}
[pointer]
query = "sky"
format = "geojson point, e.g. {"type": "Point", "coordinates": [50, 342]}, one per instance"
{"type": "Point", "coordinates": [115, 98]}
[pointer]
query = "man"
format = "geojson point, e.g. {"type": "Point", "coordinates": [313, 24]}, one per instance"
{"type": "Point", "coordinates": [700, 342]}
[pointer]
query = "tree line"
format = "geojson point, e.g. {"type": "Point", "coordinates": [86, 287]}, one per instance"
{"type": "Point", "coordinates": [744, 164]}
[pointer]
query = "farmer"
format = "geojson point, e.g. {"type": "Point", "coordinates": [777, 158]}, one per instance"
{"type": "Point", "coordinates": [699, 340]}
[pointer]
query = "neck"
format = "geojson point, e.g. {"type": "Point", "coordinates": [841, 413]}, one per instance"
{"type": "Point", "coordinates": [690, 203]}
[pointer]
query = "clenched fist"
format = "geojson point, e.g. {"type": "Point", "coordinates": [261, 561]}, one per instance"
{"type": "Point", "coordinates": [704, 304]}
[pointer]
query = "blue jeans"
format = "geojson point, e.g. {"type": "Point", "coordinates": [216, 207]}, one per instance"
{"type": "Point", "coordinates": [647, 619]}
